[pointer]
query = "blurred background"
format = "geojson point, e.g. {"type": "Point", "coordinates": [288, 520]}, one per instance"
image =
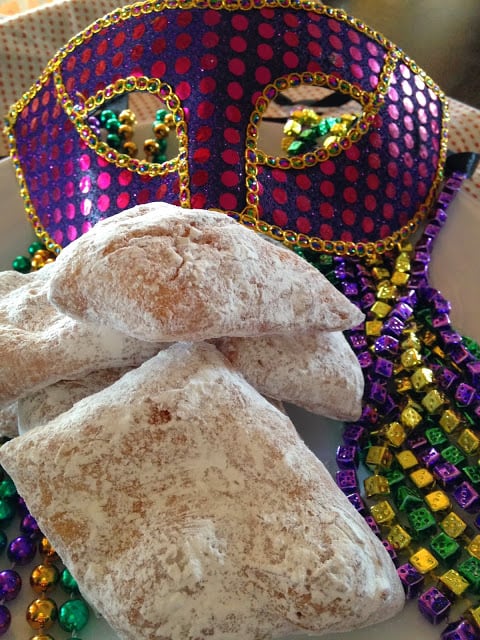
{"type": "Point", "coordinates": [11, 7]}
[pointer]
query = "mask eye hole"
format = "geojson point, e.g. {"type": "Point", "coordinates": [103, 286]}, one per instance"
{"type": "Point", "coordinates": [139, 125]}
{"type": "Point", "coordinates": [303, 119]}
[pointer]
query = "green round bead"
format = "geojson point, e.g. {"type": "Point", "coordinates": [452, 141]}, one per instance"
{"type": "Point", "coordinates": [106, 115]}
{"type": "Point", "coordinates": [7, 488]}
{"type": "Point", "coordinates": [112, 125]}
{"type": "Point", "coordinates": [160, 115]}
{"type": "Point", "coordinates": [73, 615]}
{"type": "Point", "coordinates": [114, 140]}
{"type": "Point", "coordinates": [35, 246]}
{"type": "Point", "coordinates": [68, 582]}
{"type": "Point", "coordinates": [21, 264]}
{"type": "Point", "coordinates": [7, 512]}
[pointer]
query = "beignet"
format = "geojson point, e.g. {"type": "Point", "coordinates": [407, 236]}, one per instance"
{"type": "Point", "coordinates": [316, 371]}
{"type": "Point", "coordinates": [40, 407]}
{"type": "Point", "coordinates": [40, 345]}
{"type": "Point", "coordinates": [163, 273]}
{"type": "Point", "coordinates": [187, 506]}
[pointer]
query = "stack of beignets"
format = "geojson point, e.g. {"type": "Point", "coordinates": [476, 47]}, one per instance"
{"type": "Point", "coordinates": [163, 273]}
{"type": "Point", "coordinates": [227, 526]}
{"type": "Point", "coordinates": [40, 345]}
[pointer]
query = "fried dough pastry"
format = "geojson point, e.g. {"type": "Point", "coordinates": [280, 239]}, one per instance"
{"type": "Point", "coordinates": [9, 420]}
{"type": "Point", "coordinates": [187, 506]}
{"type": "Point", "coordinates": [163, 273]}
{"type": "Point", "coordinates": [40, 345]}
{"type": "Point", "coordinates": [316, 371]}
{"type": "Point", "coordinates": [42, 406]}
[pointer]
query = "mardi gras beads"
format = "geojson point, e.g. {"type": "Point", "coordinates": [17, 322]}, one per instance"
{"type": "Point", "coordinates": [120, 129]}
{"type": "Point", "coordinates": [418, 437]}
{"type": "Point", "coordinates": [306, 130]}
{"type": "Point", "coordinates": [38, 257]}
{"type": "Point", "coordinates": [43, 613]}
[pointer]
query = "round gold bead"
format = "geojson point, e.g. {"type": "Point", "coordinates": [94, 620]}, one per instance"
{"type": "Point", "coordinates": [37, 262]}
{"type": "Point", "coordinates": [42, 613]}
{"type": "Point", "coordinates": [46, 549]}
{"type": "Point", "coordinates": [125, 131]}
{"type": "Point", "coordinates": [130, 148]}
{"type": "Point", "coordinates": [43, 577]}
{"type": "Point", "coordinates": [42, 253]}
{"type": "Point", "coordinates": [169, 120]}
{"type": "Point", "coordinates": [160, 130]}
{"type": "Point", "coordinates": [42, 636]}
{"type": "Point", "coordinates": [151, 146]}
{"type": "Point", "coordinates": [127, 117]}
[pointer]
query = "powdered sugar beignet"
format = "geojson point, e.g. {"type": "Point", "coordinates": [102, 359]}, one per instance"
{"type": "Point", "coordinates": [187, 506]}
{"type": "Point", "coordinates": [9, 420]}
{"type": "Point", "coordinates": [316, 371]}
{"type": "Point", "coordinates": [40, 345]}
{"type": "Point", "coordinates": [42, 406]}
{"type": "Point", "coordinates": [163, 273]}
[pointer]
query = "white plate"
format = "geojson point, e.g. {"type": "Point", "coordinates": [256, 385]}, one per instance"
{"type": "Point", "coordinates": [455, 270]}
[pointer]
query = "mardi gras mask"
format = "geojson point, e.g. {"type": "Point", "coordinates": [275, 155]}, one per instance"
{"type": "Point", "coordinates": [355, 186]}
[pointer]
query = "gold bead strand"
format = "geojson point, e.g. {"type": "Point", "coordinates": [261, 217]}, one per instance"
{"type": "Point", "coordinates": [42, 613]}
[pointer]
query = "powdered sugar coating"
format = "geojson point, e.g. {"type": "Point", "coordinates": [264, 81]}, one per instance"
{"type": "Point", "coordinates": [9, 420]}
{"type": "Point", "coordinates": [42, 406]}
{"type": "Point", "coordinates": [316, 371]}
{"type": "Point", "coordinates": [40, 345]}
{"type": "Point", "coordinates": [163, 273]}
{"type": "Point", "coordinates": [227, 526]}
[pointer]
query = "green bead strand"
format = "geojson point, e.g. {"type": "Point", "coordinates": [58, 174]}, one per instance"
{"type": "Point", "coordinates": [73, 615]}
{"type": "Point", "coordinates": [7, 512]}
{"type": "Point", "coordinates": [7, 488]}
{"type": "Point", "coordinates": [106, 115]}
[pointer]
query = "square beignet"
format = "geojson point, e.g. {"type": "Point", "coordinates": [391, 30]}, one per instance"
{"type": "Point", "coordinates": [163, 273]}
{"type": "Point", "coordinates": [187, 506]}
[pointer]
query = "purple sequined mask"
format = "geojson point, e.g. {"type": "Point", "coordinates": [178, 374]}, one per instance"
{"type": "Point", "coordinates": [217, 66]}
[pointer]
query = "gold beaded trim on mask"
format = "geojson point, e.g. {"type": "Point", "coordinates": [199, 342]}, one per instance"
{"type": "Point", "coordinates": [333, 247]}
{"type": "Point", "coordinates": [78, 114]}
{"type": "Point", "coordinates": [32, 217]}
